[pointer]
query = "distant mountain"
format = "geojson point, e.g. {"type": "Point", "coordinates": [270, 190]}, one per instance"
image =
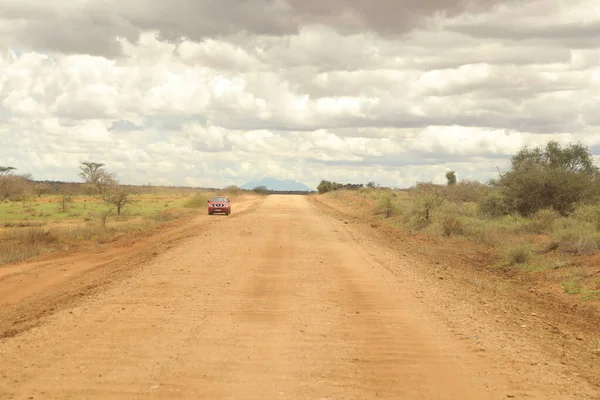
{"type": "Point", "coordinates": [278, 185]}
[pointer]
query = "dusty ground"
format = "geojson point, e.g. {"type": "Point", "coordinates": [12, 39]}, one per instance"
{"type": "Point", "coordinates": [286, 298]}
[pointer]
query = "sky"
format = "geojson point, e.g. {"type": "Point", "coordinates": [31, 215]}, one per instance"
{"type": "Point", "coordinates": [205, 93]}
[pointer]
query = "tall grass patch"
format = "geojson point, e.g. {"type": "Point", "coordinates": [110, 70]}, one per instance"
{"type": "Point", "coordinates": [520, 254]}
{"type": "Point", "coordinates": [386, 205]}
{"type": "Point", "coordinates": [571, 236]}
{"type": "Point", "coordinates": [198, 201]}
{"type": "Point", "coordinates": [18, 244]}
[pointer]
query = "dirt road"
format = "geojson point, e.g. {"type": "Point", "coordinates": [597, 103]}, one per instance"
{"type": "Point", "coordinates": [280, 302]}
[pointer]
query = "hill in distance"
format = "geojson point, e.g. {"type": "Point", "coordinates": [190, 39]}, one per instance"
{"type": "Point", "coordinates": [278, 185]}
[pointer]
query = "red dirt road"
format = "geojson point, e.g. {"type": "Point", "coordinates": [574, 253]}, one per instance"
{"type": "Point", "coordinates": [281, 301]}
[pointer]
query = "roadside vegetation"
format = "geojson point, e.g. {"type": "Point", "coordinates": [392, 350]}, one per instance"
{"type": "Point", "coordinates": [40, 217]}
{"type": "Point", "coordinates": [541, 216]}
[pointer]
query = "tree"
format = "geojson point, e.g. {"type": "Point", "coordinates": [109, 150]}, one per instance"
{"type": "Point", "coordinates": [41, 189]}
{"type": "Point", "coordinates": [429, 196]}
{"type": "Point", "coordinates": [118, 197]}
{"type": "Point", "coordinates": [325, 186]}
{"type": "Point", "coordinates": [451, 178]}
{"type": "Point", "coordinates": [373, 185]}
{"type": "Point", "coordinates": [13, 187]}
{"type": "Point", "coordinates": [4, 171]}
{"type": "Point", "coordinates": [550, 178]}
{"type": "Point", "coordinates": [67, 191]}
{"type": "Point", "coordinates": [573, 158]}
{"type": "Point", "coordinates": [94, 174]}
{"type": "Point", "coordinates": [261, 190]}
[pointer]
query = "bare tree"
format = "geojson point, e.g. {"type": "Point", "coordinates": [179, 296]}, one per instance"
{"type": "Point", "coordinates": [66, 197]}
{"type": "Point", "coordinates": [118, 197]}
{"type": "Point", "coordinates": [94, 174]}
{"type": "Point", "coordinates": [104, 216]}
{"type": "Point", "coordinates": [65, 202]}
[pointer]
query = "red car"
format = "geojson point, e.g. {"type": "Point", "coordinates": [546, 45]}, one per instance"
{"type": "Point", "coordinates": [219, 205]}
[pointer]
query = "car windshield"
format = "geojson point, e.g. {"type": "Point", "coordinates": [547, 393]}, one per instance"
{"type": "Point", "coordinates": [219, 199]}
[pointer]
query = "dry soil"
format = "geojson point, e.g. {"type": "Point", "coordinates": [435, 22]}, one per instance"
{"type": "Point", "coordinates": [284, 299]}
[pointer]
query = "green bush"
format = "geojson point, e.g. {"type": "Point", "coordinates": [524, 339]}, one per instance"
{"type": "Point", "coordinates": [261, 190]}
{"type": "Point", "coordinates": [588, 213]}
{"type": "Point", "coordinates": [198, 201]}
{"type": "Point", "coordinates": [385, 204]}
{"type": "Point", "coordinates": [550, 178]}
{"type": "Point", "coordinates": [493, 205]}
{"type": "Point", "coordinates": [466, 191]}
{"type": "Point", "coordinates": [582, 239]}
{"type": "Point", "coordinates": [451, 225]}
{"type": "Point", "coordinates": [423, 208]}
{"type": "Point", "coordinates": [541, 222]}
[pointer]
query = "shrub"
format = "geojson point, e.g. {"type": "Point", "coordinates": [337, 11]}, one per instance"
{"type": "Point", "coordinates": [588, 213]}
{"type": "Point", "coordinates": [328, 186]}
{"type": "Point", "coordinates": [577, 240]}
{"type": "Point", "coordinates": [386, 204]}
{"type": "Point", "coordinates": [424, 206]}
{"type": "Point", "coordinates": [553, 178]}
{"type": "Point", "coordinates": [493, 205]}
{"type": "Point", "coordinates": [31, 236]}
{"type": "Point", "coordinates": [542, 222]}
{"type": "Point", "coordinates": [22, 243]}
{"type": "Point", "coordinates": [198, 201]}
{"type": "Point", "coordinates": [466, 191]}
{"type": "Point", "coordinates": [451, 225]}
{"type": "Point", "coordinates": [232, 189]}
{"type": "Point", "coordinates": [261, 190]}
{"type": "Point", "coordinates": [163, 217]}
{"type": "Point", "coordinates": [520, 254]}
{"type": "Point", "coordinates": [16, 252]}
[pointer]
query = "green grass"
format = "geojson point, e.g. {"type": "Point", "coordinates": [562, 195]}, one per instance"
{"type": "Point", "coordinates": [520, 254]}
{"type": "Point", "coordinates": [28, 228]}
{"type": "Point", "coordinates": [19, 244]}
{"type": "Point", "coordinates": [46, 209]}
{"type": "Point", "coordinates": [545, 243]}
{"type": "Point", "coordinates": [198, 201]}
{"type": "Point", "coordinates": [589, 294]}
{"type": "Point", "coordinates": [572, 287]}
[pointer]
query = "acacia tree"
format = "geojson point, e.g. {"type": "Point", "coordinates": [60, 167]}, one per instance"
{"type": "Point", "coordinates": [118, 197]}
{"type": "Point", "coordinates": [552, 177]}
{"type": "Point", "coordinates": [4, 171]}
{"type": "Point", "coordinates": [41, 189]}
{"type": "Point", "coordinates": [94, 174]}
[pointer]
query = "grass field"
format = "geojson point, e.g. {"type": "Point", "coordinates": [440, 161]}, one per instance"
{"type": "Point", "coordinates": [562, 250]}
{"type": "Point", "coordinates": [43, 224]}
{"type": "Point", "coordinates": [48, 209]}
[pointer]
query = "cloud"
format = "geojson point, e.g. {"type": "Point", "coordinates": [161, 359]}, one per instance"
{"type": "Point", "coordinates": [92, 26]}
{"type": "Point", "coordinates": [215, 93]}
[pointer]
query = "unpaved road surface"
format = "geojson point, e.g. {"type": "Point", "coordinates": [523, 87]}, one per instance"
{"type": "Point", "coordinates": [281, 301]}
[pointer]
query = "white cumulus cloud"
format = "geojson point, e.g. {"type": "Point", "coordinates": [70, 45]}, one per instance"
{"type": "Point", "coordinates": [212, 95]}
